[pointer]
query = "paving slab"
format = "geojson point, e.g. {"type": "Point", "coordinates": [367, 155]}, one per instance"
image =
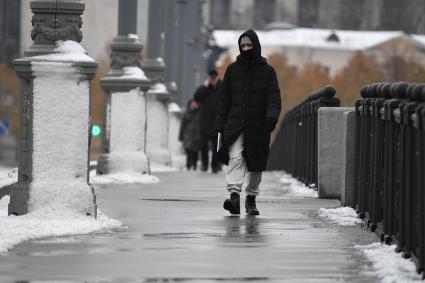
{"type": "Point", "coordinates": [177, 231]}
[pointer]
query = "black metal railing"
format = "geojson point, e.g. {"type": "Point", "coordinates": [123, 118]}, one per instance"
{"type": "Point", "coordinates": [389, 172]}
{"type": "Point", "coordinates": [295, 148]}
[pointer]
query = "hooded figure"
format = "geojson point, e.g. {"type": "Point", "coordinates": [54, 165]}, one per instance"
{"type": "Point", "coordinates": [249, 107]}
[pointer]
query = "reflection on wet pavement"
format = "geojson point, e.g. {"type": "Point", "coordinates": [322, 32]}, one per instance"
{"type": "Point", "coordinates": [243, 230]}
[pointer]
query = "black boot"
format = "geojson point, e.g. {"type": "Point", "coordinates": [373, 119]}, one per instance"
{"type": "Point", "coordinates": [233, 204]}
{"type": "Point", "coordinates": [250, 206]}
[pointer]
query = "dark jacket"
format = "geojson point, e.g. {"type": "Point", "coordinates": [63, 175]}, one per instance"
{"type": "Point", "coordinates": [249, 97]}
{"type": "Point", "coordinates": [189, 130]}
{"type": "Point", "coordinates": [207, 97]}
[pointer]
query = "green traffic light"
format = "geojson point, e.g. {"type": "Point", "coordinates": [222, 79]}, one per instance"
{"type": "Point", "coordinates": [95, 130]}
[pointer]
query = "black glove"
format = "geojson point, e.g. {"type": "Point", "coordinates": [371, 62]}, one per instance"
{"type": "Point", "coordinates": [218, 130]}
{"type": "Point", "coordinates": [271, 124]}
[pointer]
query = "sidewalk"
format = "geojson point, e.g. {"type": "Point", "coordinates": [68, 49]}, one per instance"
{"type": "Point", "coordinates": [178, 232]}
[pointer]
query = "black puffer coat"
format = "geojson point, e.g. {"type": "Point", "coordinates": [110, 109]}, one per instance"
{"type": "Point", "coordinates": [249, 96]}
{"type": "Point", "coordinates": [207, 97]}
{"type": "Point", "coordinates": [189, 130]}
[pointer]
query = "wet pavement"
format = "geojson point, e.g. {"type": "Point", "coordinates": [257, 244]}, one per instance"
{"type": "Point", "coordinates": [177, 231]}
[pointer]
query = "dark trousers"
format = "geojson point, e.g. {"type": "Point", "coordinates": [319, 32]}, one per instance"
{"type": "Point", "coordinates": [191, 158]}
{"type": "Point", "coordinates": [206, 140]}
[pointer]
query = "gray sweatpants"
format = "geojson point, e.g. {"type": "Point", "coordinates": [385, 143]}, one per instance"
{"type": "Point", "coordinates": [237, 171]}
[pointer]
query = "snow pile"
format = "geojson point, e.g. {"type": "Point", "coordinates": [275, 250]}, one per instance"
{"type": "Point", "coordinates": [294, 188]}
{"type": "Point", "coordinates": [345, 216]}
{"type": "Point", "coordinates": [156, 167]}
{"type": "Point", "coordinates": [389, 265]}
{"type": "Point", "coordinates": [133, 73]}
{"type": "Point", "coordinates": [17, 229]}
{"type": "Point", "coordinates": [67, 51]}
{"type": "Point", "coordinates": [125, 168]}
{"type": "Point", "coordinates": [8, 176]}
{"type": "Point", "coordinates": [123, 177]}
{"type": "Point", "coordinates": [158, 88]}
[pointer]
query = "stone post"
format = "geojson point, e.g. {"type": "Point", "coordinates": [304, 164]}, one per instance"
{"type": "Point", "coordinates": [125, 85]}
{"type": "Point", "coordinates": [178, 157]}
{"type": "Point", "coordinates": [53, 150]}
{"type": "Point", "coordinates": [158, 96]}
{"type": "Point", "coordinates": [331, 153]}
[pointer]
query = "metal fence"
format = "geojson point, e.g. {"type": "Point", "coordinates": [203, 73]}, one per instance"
{"type": "Point", "coordinates": [389, 185]}
{"type": "Point", "coordinates": [297, 138]}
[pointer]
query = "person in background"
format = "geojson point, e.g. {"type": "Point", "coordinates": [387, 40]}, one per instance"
{"type": "Point", "coordinates": [206, 96]}
{"type": "Point", "coordinates": [248, 111]}
{"type": "Point", "coordinates": [189, 134]}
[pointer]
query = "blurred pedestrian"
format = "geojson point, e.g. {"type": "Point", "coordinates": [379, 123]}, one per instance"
{"type": "Point", "coordinates": [207, 97]}
{"type": "Point", "coordinates": [249, 107]}
{"type": "Point", "coordinates": [189, 134]}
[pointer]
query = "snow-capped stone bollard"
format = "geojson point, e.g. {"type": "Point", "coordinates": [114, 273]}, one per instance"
{"type": "Point", "coordinates": [157, 150]}
{"type": "Point", "coordinates": [53, 154]}
{"type": "Point", "coordinates": [178, 157]}
{"type": "Point", "coordinates": [158, 96]}
{"type": "Point", "coordinates": [124, 139]}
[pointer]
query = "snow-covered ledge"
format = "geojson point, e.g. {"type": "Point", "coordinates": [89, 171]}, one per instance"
{"type": "Point", "coordinates": [157, 150]}
{"type": "Point", "coordinates": [54, 132]}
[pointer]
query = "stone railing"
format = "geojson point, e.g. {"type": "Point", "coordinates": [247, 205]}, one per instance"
{"type": "Point", "coordinates": [389, 182]}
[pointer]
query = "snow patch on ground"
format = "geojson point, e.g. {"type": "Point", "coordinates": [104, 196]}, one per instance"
{"type": "Point", "coordinates": [8, 176]}
{"type": "Point", "coordinates": [4, 203]}
{"type": "Point", "coordinates": [294, 188]}
{"type": "Point", "coordinates": [345, 216]}
{"type": "Point", "coordinates": [123, 178]}
{"type": "Point", "coordinates": [42, 223]}
{"type": "Point", "coordinates": [388, 265]}
{"type": "Point", "coordinates": [156, 167]}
